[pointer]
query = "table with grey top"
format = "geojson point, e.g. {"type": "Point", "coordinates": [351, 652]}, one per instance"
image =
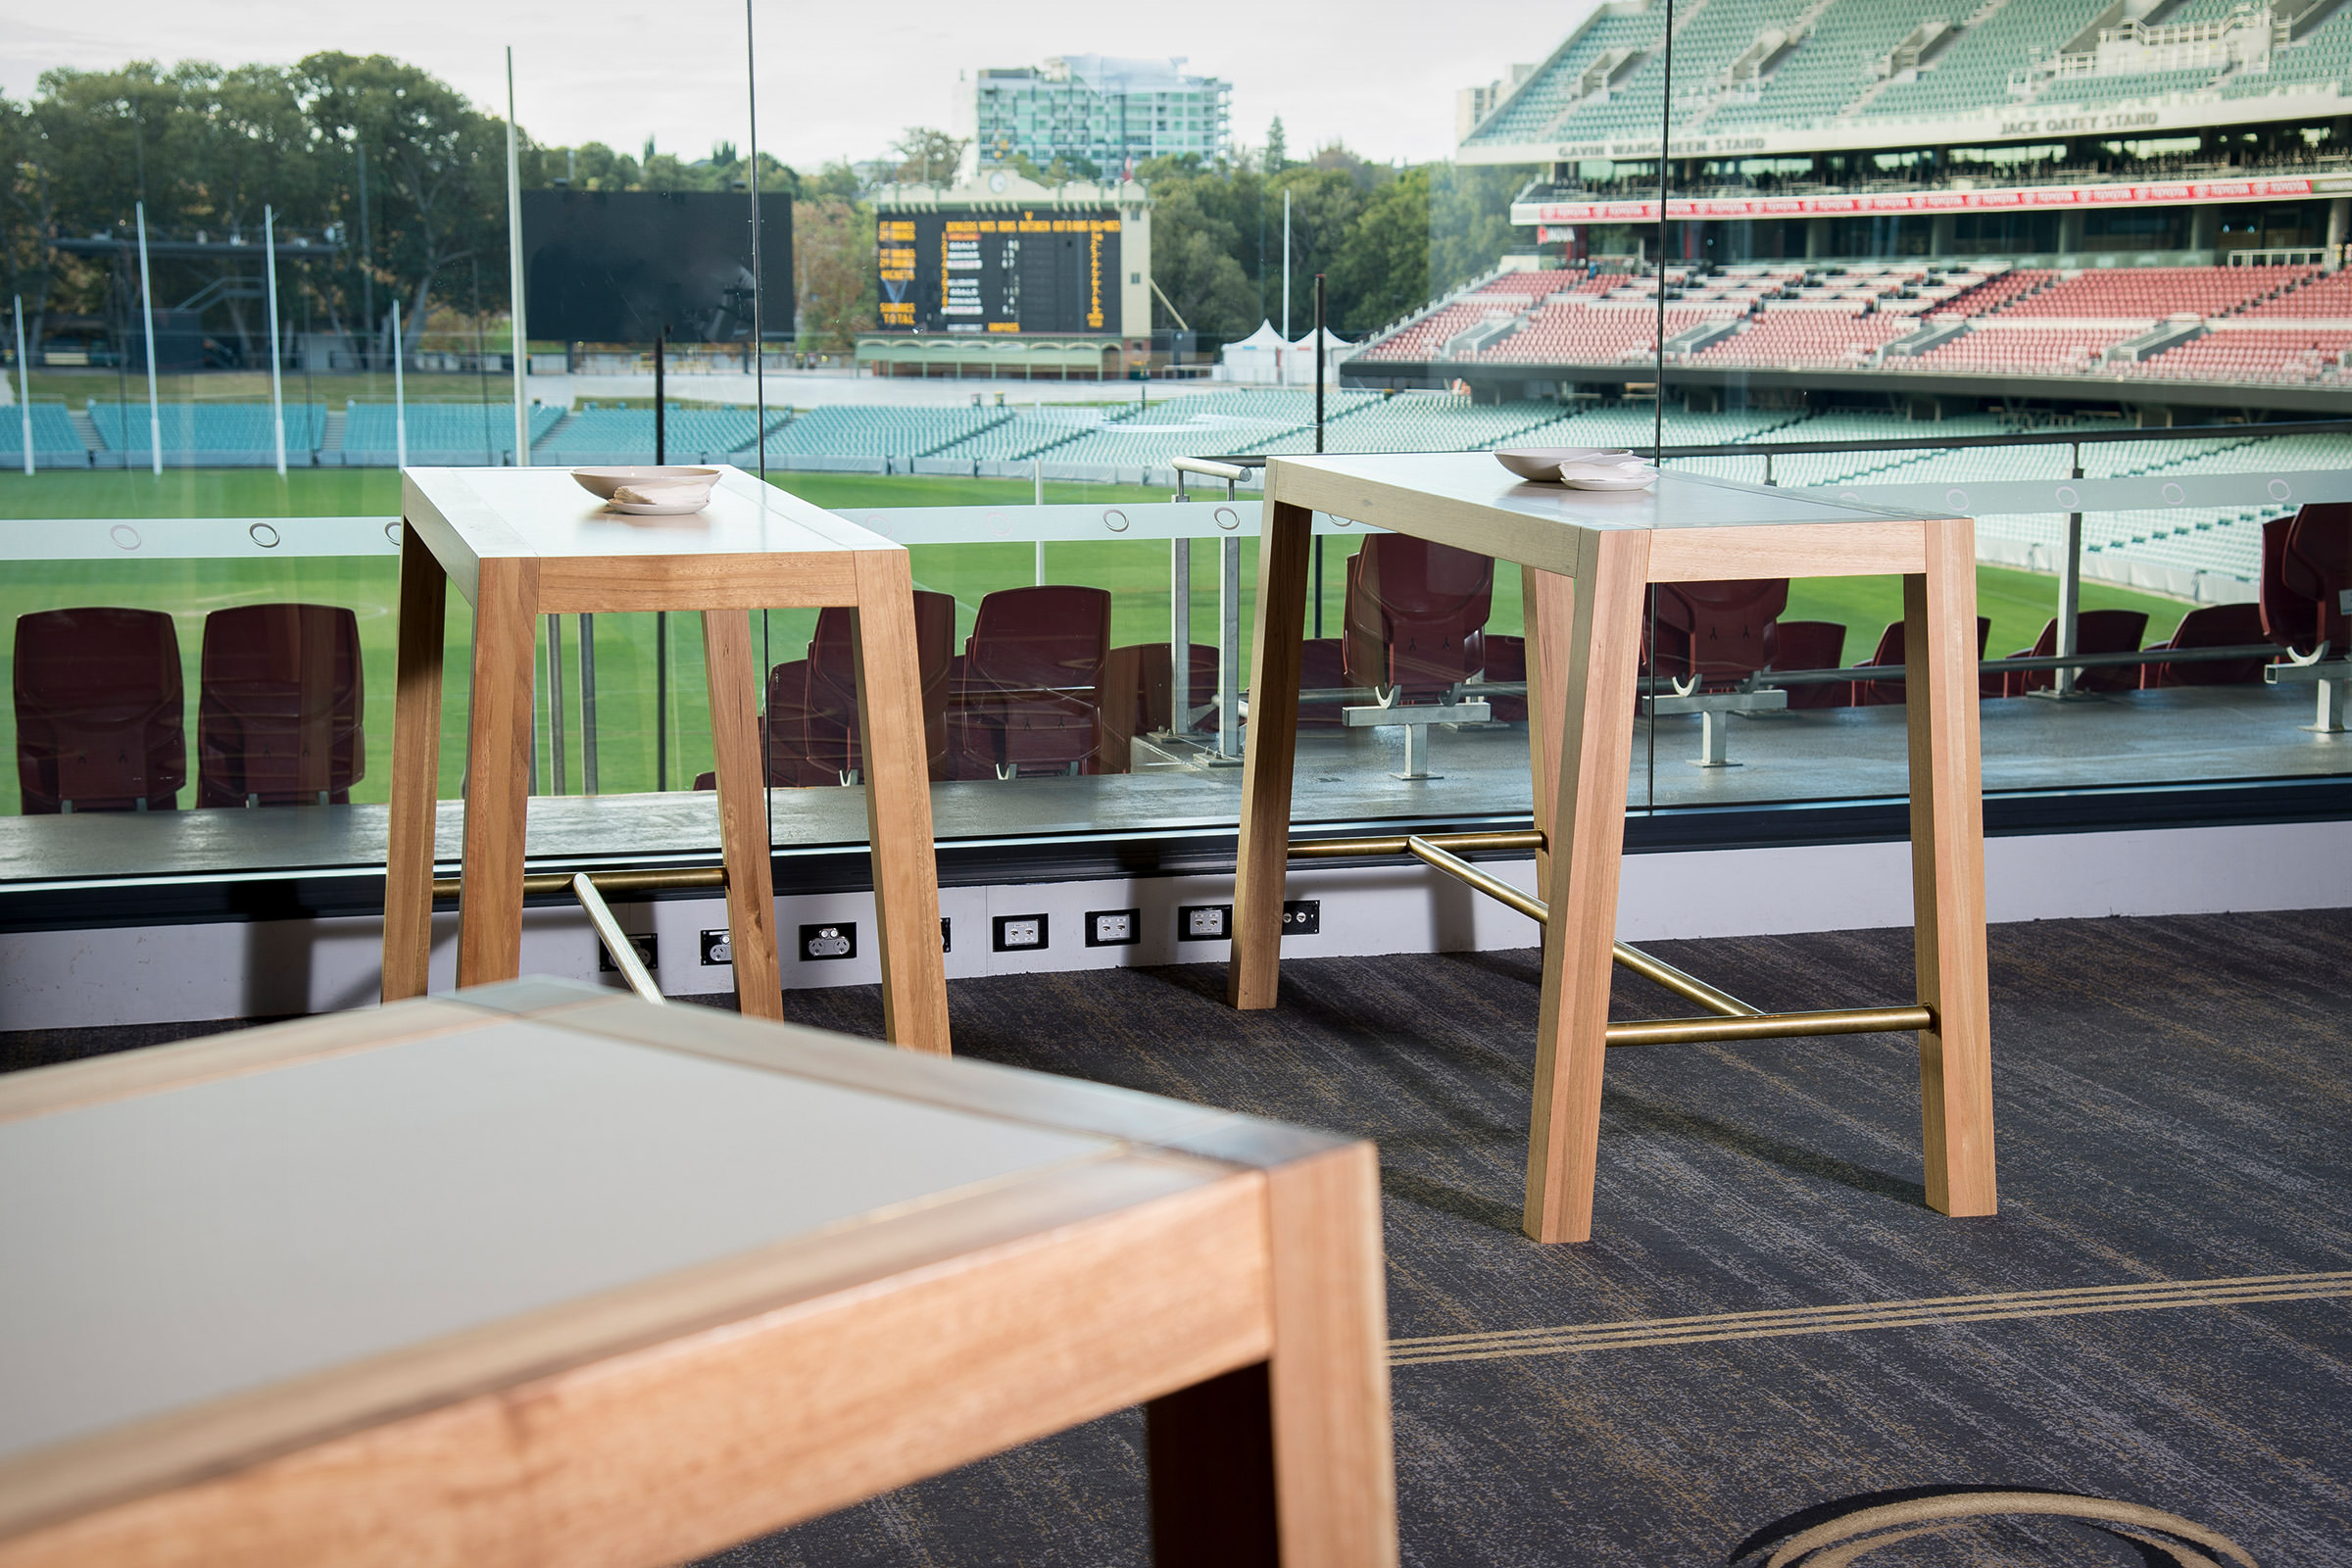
{"type": "Point", "coordinates": [536, 1272]}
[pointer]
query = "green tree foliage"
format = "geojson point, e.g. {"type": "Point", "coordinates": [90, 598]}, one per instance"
{"type": "Point", "coordinates": [1278, 150]}
{"type": "Point", "coordinates": [1382, 269]}
{"type": "Point", "coordinates": [928, 156]}
{"type": "Point", "coordinates": [833, 270]}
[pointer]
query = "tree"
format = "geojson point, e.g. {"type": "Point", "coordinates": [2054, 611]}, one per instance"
{"type": "Point", "coordinates": [1470, 219]}
{"type": "Point", "coordinates": [441, 163]}
{"type": "Point", "coordinates": [833, 270]}
{"type": "Point", "coordinates": [1278, 149]}
{"type": "Point", "coordinates": [1194, 264]}
{"type": "Point", "coordinates": [928, 156]}
{"type": "Point", "coordinates": [1382, 271]}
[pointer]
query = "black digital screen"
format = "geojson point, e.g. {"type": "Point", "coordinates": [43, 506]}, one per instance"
{"type": "Point", "coordinates": [968, 271]}
{"type": "Point", "coordinates": [615, 267]}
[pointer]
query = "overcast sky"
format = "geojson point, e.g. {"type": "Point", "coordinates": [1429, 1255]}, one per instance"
{"type": "Point", "coordinates": [839, 80]}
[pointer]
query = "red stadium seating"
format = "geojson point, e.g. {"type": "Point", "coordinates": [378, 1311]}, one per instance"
{"type": "Point", "coordinates": [1809, 645]}
{"type": "Point", "coordinates": [98, 699]}
{"type": "Point", "coordinates": [1504, 659]}
{"type": "Point", "coordinates": [2096, 631]}
{"type": "Point", "coordinates": [1030, 692]}
{"type": "Point", "coordinates": [1720, 631]}
{"type": "Point", "coordinates": [812, 726]}
{"type": "Point", "coordinates": [1425, 338]}
{"type": "Point", "coordinates": [2307, 578]}
{"type": "Point", "coordinates": [2028, 351]}
{"type": "Point", "coordinates": [1785, 335]}
{"type": "Point", "coordinates": [1532, 286]}
{"type": "Point", "coordinates": [2292, 355]}
{"type": "Point", "coordinates": [1412, 609]}
{"type": "Point", "coordinates": [2324, 298]}
{"type": "Point", "coordinates": [2150, 293]}
{"type": "Point", "coordinates": [1882, 693]}
{"type": "Point", "coordinates": [1138, 695]}
{"type": "Point", "coordinates": [2211, 627]}
{"type": "Point", "coordinates": [1995, 292]}
{"type": "Point", "coordinates": [279, 707]}
{"type": "Point", "coordinates": [1572, 332]}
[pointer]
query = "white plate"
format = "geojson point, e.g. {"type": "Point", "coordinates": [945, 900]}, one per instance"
{"type": "Point", "coordinates": [1582, 476]}
{"type": "Point", "coordinates": [665, 509]}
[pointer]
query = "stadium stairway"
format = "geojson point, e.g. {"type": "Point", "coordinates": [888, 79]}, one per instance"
{"type": "Point", "coordinates": [87, 429]}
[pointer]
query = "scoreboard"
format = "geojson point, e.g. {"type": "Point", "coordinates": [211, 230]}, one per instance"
{"type": "Point", "coordinates": [1000, 271]}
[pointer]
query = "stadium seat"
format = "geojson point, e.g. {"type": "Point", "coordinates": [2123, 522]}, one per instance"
{"type": "Point", "coordinates": [1719, 631]}
{"type": "Point", "coordinates": [1028, 696]}
{"type": "Point", "coordinates": [2096, 631]}
{"type": "Point", "coordinates": [2211, 627]}
{"type": "Point", "coordinates": [2307, 578]}
{"type": "Point", "coordinates": [279, 707]}
{"type": "Point", "coordinates": [1809, 645]}
{"type": "Point", "coordinates": [1144, 673]}
{"type": "Point", "coordinates": [812, 726]}
{"type": "Point", "coordinates": [1884, 693]}
{"type": "Point", "coordinates": [1411, 609]}
{"type": "Point", "coordinates": [1504, 659]}
{"type": "Point", "coordinates": [99, 720]}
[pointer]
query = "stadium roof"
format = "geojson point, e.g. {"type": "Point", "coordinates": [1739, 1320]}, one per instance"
{"type": "Point", "coordinates": [1760, 78]}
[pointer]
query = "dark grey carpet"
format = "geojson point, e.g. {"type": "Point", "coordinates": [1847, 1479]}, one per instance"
{"type": "Point", "coordinates": [2175, 1102]}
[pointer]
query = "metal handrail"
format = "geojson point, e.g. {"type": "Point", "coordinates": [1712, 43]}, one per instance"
{"type": "Point", "coordinates": [2025, 661]}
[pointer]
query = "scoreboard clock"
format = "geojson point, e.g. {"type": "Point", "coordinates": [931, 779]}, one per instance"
{"type": "Point", "coordinates": [951, 271]}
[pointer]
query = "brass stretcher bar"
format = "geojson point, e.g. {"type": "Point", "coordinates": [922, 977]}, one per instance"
{"type": "Point", "coordinates": [1733, 1018]}
{"type": "Point", "coordinates": [666, 879]}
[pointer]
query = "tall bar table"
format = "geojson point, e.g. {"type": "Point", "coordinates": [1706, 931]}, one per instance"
{"type": "Point", "coordinates": [1589, 556]}
{"type": "Point", "coordinates": [521, 543]}
{"type": "Point", "coordinates": [540, 1274]}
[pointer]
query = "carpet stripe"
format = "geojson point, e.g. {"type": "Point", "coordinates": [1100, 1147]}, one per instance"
{"type": "Point", "coordinates": [1572, 1339]}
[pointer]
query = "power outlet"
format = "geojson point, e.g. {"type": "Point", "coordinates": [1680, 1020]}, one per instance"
{"type": "Point", "coordinates": [1301, 917]}
{"type": "Point", "coordinates": [947, 935]}
{"type": "Point", "coordinates": [836, 939]}
{"type": "Point", "coordinates": [1020, 933]}
{"type": "Point", "coordinates": [717, 949]}
{"type": "Point", "coordinates": [647, 947]}
{"type": "Point", "coordinates": [1113, 928]}
{"type": "Point", "coordinates": [1203, 922]}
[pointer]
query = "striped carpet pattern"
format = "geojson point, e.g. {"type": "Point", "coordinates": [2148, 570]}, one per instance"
{"type": "Point", "coordinates": [1770, 1324]}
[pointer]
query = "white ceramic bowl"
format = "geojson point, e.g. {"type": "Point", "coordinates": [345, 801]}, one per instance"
{"type": "Point", "coordinates": [602, 482]}
{"type": "Point", "coordinates": [1543, 462]}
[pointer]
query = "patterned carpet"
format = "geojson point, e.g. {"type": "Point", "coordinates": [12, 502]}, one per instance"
{"type": "Point", "coordinates": [2175, 1103]}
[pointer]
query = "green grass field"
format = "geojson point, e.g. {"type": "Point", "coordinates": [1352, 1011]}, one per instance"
{"type": "Point", "coordinates": [1136, 573]}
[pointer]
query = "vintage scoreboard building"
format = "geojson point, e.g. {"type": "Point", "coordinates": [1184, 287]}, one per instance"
{"type": "Point", "coordinates": [1003, 277]}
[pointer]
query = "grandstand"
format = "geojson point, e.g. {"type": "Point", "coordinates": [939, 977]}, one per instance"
{"type": "Point", "coordinates": [692, 434]}
{"type": "Point", "coordinates": [440, 433]}
{"type": "Point", "coordinates": [224, 435]}
{"type": "Point", "coordinates": [54, 441]}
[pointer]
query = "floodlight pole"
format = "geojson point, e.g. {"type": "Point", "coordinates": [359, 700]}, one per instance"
{"type": "Point", "coordinates": [1318, 443]}
{"type": "Point", "coordinates": [23, 385]}
{"type": "Point", "coordinates": [277, 391]}
{"type": "Point", "coordinates": [522, 344]}
{"type": "Point", "coordinates": [400, 392]}
{"type": "Point", "coordinates": [1286, 266]}
{"type": "Point", "coordinates": [751, 73]}
{"type": "Point", "coordinates": [155, 417]}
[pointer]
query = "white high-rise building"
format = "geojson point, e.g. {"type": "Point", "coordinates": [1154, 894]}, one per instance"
{"type": "Point", "coordinates": [1096, 113]}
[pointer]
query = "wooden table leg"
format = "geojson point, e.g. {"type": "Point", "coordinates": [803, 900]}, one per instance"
{"type": "Point", "coordinates": [1550, 605]}
{"type": "Point", "coordinates": [897, 804]}
{"type": "Point", "coordinates": [1264, 856]}
{"type": "Point", "coordinates": [741, 811]}
{"type": "Point", "coordinates": [498, 771]}
{"type": "Point", "coordinates": [416, 770]}
{"type": "Point", "coordinates": [1292, 1461]}
{"type": "Point", "coordinates": [1595, 696]}
{"type": "Point", "coordinates": [1947, 872]}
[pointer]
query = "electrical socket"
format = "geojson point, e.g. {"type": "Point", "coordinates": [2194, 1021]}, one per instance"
{"type": "Point", "coordinates": [1020, 933]}
{"type": "Point", "coordinates": [947, 935]}
{"type": "Point", "coordinates": [1203, 922]}
{"type": "Point", "coordinates": [717, 949]}
{"type": "Point", "coordinates": [647, 945]}
{"type": "Point", "coordinates": [1113, 928]}
{"type": "Point", "coordinates": [1301, 917]}
{"type": "Point", "coordinates": [835, 939]}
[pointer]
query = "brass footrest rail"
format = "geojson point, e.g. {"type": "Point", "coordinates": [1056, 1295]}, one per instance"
{"type": "Point", "coordinates": [617, 883]}
{"type": "Point", "coordinates": [1733, 1018]}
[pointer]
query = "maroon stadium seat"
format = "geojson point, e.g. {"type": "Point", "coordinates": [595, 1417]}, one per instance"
{"type": "Point", "coordinates": [1504, 659]}
{"type": "Point", "coordinates": [821, 729]}
{"type": "Point", "coordinates": [99, 721]}
{"type": "Point", "coordinates": [1718, 630]}
{"type": "Point", "coordinates": [1029, 694]}
{"type": "Point", "coordinates": [2096, 631]}
{"type": "Point", "coordinates": [1142, 670]}
{"type": "Point", "coordinates": [2307, 578]}
{"type": "Point", "coordinates": [1809, 645]}
{"type": "Point", "coordinates": [1882, 693]}
{"type": "Point", "coordinates": [279, 707]}
{"type": "Point", "coordinates": [1412, 608]}
{"type": "Point", "coordinates": [1322, 667]}
{"type": "Point", "coordinates": [2212, 626]}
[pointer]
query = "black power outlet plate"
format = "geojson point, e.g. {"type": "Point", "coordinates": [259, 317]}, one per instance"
{"type": "Point", "coordinates": [1113, 928]}
{"type": "Point", "coordinates": [1301, 917]}
{"type": "Point", "coordinates": [1022, 933]}
{"type": "Point", "coordinates": [647, 946]}
{"type": "Point", "coordinates": [834, 939]}
{"type": "Point", "coordinates": [1203, 922]}
{"type": "Point", "coordinates": [717, 949]}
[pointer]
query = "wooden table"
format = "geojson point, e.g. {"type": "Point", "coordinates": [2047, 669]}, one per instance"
{"type": "Point", "coordinates": [1589, 558]}
{"type": "Point", "coordinates": [540, 1274]}
{"type": "Point", "coordinates": [521, 543]}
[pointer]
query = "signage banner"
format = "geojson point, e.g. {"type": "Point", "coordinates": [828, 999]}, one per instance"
{"type": "Point", "coordinates": [1879, 204]}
